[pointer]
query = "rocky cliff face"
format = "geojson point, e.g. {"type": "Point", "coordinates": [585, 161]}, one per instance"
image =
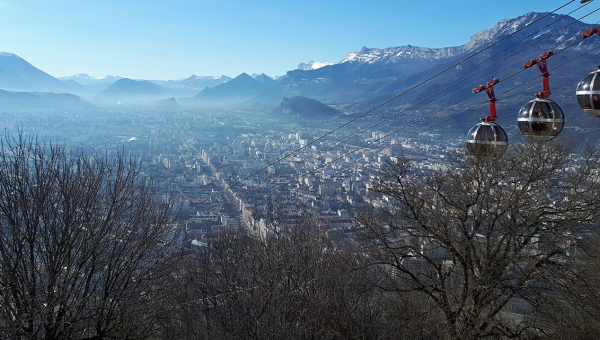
{"type": "Point", "coordinates": [398, 54]}
{"type": "Point", "coordinates": [303, 107]}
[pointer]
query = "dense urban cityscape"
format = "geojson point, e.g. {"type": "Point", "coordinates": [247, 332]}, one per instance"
{"type": "Point", "coordinates": [222, 164]}
{"type": "Point", "coordinates": [384, 196]}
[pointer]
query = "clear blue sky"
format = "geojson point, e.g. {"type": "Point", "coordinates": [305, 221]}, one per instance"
{"type": "Point", "coordinates": [160, 39]}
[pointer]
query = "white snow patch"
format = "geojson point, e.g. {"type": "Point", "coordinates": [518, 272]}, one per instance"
{"type": "Point", "coordinates": [313, 65]}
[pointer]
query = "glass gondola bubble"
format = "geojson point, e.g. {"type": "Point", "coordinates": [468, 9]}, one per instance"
{"type": "Point", "coordinates": [487, 140]}
{"type": "Point", "coordinates": [588, 93]}
{"type": "Point", "coordinates": [541, 120]}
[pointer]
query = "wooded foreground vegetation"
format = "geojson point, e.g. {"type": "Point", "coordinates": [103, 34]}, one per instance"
{"type": "Point", "coordinates": [493, 248]}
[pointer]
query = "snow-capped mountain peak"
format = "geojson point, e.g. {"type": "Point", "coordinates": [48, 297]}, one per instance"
{"type": "Point", "coordinates": [85, 79]}
{"type": "Point", "coordinates": [502, 29]}
{"type": "Point", "coordinates": [394, 54]}
{"type": "Point", "coordinates": [195, 77]}
{"type": "Point", "coordinates": [313, 65]}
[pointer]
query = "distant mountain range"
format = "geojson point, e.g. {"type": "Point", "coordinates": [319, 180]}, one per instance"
{"type": "Point", "coordinates": [85, 79]}
{"type": "Point", "coordinates": [265, 80]}
{"type": "Point", "coordinates": [129, 87]}
{"type": "Point", "coordinates": [41, 101]}
{"type": "Point", "coordinates": [313, 65]}
{"type": "Point", "coordinates": [239, 89]}
{"type": "Point", "coordinates": [129, 91]}
{"type": "Point", "coordinates": [16, 74]}
{"type": "Point", "coordinates": [194, 82]}
{"type": "Point", "coordinates": [370, 76]}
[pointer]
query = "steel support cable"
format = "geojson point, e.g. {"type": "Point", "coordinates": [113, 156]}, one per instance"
{"type": "Point", "coordinates": [507, 91]}
{"type": "Point", "coordinates": [465, 98]}
{"type": "Point", "coordinates": [440, 122]}
{"type": "Point", "coordinates": [389, 100]}
{"type": "Point", "coordinates": [482, 102]}
{"type": "Point", "coordinates": [510, 90]}
{"type": "Point", "coordinates": [433, 113]}
{"type": "Point", "coordinates": [467, 77]}
{"type": "Point", "coordinates": [506, 57]}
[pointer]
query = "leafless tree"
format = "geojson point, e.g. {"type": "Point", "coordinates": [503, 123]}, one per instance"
{"type": "Point", "coordinates": [576, 314]}
{"type": "Point", "coordinates": [294, 282]}
{"type": "Point", "coordinates": [486, 241]}
{"type": "Point", "coordinates": [82, 238]}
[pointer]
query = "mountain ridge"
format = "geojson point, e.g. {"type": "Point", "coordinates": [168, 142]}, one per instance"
{"type": "Point", "coordinates": [130, 87]}
{"type": "Point", "coordinates": [17, 100]}
{"type": "Point", "coordinates": [371, 75]}
{"type": "Point", "coordinates": [239, 89]}
{"type": "Point", "coordinates": [16, 74]}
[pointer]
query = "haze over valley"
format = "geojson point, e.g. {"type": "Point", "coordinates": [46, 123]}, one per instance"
{"type": "Point", "coordinates": [214, 132]}
{"type": "Point", "coordinates": [248, 151]}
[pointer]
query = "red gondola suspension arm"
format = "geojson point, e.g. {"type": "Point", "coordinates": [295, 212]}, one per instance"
{"type": "Point", "coordinates": [590, 32]}
{"type": "Point", "coordinates": [489, 89]}
{"type": "Point", "coordinates": [543, 66]}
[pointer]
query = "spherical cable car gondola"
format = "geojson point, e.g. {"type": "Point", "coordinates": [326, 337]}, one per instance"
{"type": "Point", "coordinates": [541, 119]}
{"type": "Point", "coordinates": [588, 89]}
{"type": "Point", "coordinates": [487, 139]}
{"type": "Point", "coordinates": [588, 93]}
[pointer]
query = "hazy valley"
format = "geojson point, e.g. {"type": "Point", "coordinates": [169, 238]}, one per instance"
{"type": "Point", "coordinates": [245, 159]}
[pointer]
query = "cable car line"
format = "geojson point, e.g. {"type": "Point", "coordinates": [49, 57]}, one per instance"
{"type": "Point", "coordinates": [471, 75]}
{"type": "Point", "coordinates": [521, 49]}
{"type": "Point", "coordinates": [453, 104]}
{"type": "Point", "coordinates": [429, 115]}
{"type": "Point", "coordinates": [449, 118]}
{"type": "Point", "coordinates": [540, 119]}
{"type": "Point", "coordinates": [588, 89]}
{"type": "Point", "coordinates": [414, 122]}
{"type": "Point", "coordinates": [391, 99]}
{"type": "Point", "coordinates": [507, 91]}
